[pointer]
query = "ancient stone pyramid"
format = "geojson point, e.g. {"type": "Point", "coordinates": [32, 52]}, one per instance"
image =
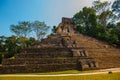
{"type": "Point", "coordinates": [65, 50]}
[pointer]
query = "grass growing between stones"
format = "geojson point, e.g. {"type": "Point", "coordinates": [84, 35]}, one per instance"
{"type": "Point", "coordinates": [113, 76]}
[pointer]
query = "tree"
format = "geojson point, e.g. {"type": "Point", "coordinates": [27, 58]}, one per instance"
{"type": "Point", "coordinates": [11, 46]}
{"type": "Point", "coordinates": [16, 29]}
{"type": "Point", "coordinates": [31, 41]}
{"type": "Point", "coordinates": [2, 43]}
{"type": "Point", "coordinates": [104, 13]}
{"type": "Point", "coordinates": [26, 27]}
{"type": "Point", "coordinates": [116, 8]}
{"type": "Point", "coordinates": [93, 25]}
{"type": "Point", "coordinates": [2, 47]}
{"type": "Point", "coordinates": [99, 22]}
{"type": "Point", "coordinates": [0, 58]}
{"type": "Point", "coordinates": [54, 29]}
{"type": "Point", "coordinates": [82, 19]}
{"type": "Point", "coordinates": [22, 42]}
{"type": "Point", "coordinates": [100, 7]}
{"type": "Point", "coordinates": [118, 32]}
{"type": "Point", "coordinates": [42, 35]}
{"type": "Point", "coordinates": [22, 29]}
{"type": "Point", "coordinates": [40, 29]}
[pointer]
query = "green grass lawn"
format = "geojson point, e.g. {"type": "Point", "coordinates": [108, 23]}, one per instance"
{"type": "Point", "coordinates": [64, 72]}
{"type": "Point", "coordinates": [113, 76]}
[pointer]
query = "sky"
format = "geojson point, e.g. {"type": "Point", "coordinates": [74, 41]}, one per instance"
{"type": "Point", "coordinates": [49, 11]}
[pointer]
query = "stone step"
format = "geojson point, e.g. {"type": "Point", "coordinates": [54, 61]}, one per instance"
{"type": "Point", "coordinates": [25, 61]}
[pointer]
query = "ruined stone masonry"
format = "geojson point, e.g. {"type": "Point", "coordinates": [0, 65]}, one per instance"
{"type": "Point", "coordinates": [66, 50]}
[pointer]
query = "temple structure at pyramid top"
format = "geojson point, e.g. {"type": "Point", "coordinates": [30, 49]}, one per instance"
{"type": "Point", "coordinates": [66, 27]}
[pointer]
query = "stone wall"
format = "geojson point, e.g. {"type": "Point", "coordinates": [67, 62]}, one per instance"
{"type": "Point", "coordinates": [44, 53]}
{"type": "Point", "coordinates": [51, 67]}
{"type": "Point", "coordinates": [38, 65]}
{"type": "Point", "coordinates": [67, 21]}
{"type": "Point", "coordinates": [31, 68]}
{"type": "Point", "coordinates": [87, 64]}
{"type": "Point", "coordinates": [46, 64]}
{"type": "Point", "coordinates": [23, 61]}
